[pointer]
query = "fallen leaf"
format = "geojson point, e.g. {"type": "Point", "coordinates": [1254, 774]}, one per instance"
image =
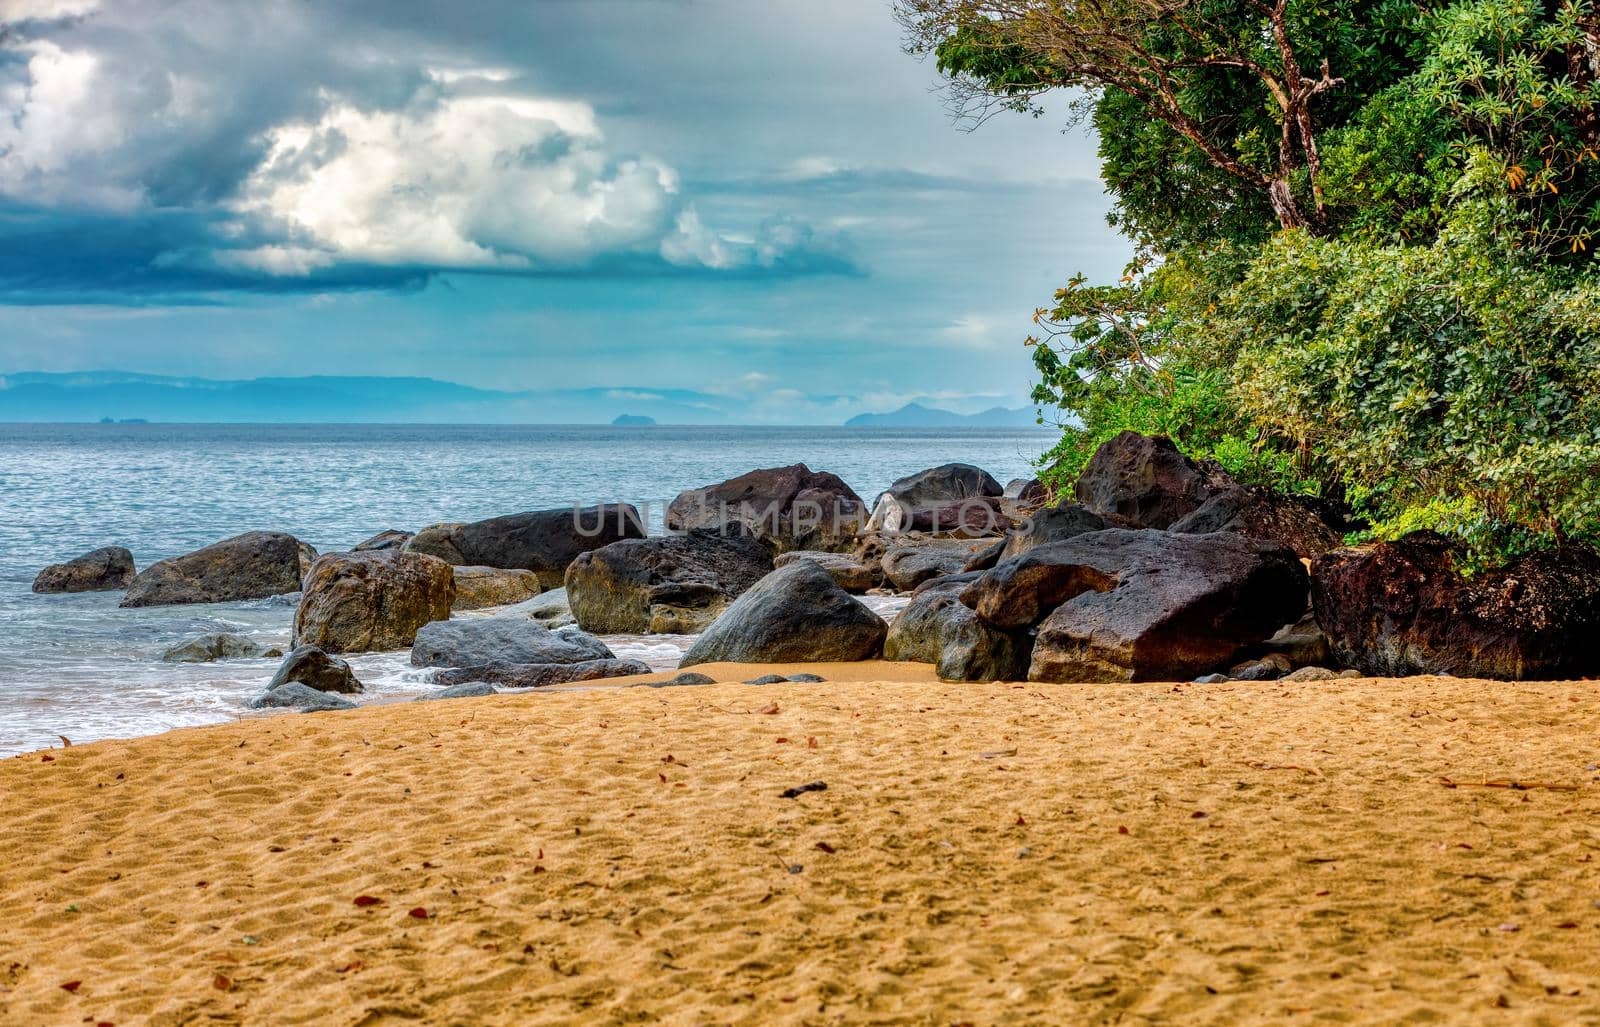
{"type": "Point", "coordinates": [1122, 830]}
{"type": "Point", "coordinates": [367, 900]}
{"type": "Point", "coordinates": [352, 967]}
{"type": "Point", "coordinates": [769, 708]}
{"type": "Point", "coordinates": [72, 986]}
{"type": "Point", "coordinates": [811, 743]}
{"type": "Point", "coordinates": [221, 983]}
{"type": "Point", "coordinates": [419, 913]}
{"type": "Point", "coordinates": [825, 847]}
{"type": "Point", "coordinates": [47, 758]}
{"type": "Point", "coordinates": [1021, 822]}
{"type": "Point", "coordinates": [66, 743]}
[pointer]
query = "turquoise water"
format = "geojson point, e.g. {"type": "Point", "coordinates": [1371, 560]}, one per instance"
{"type": "Point", "coordinates": [78, 666]}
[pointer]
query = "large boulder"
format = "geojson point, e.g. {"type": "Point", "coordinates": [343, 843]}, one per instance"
{"type": "Point", "coordinates": [480, 641]}
{"type": "Point", "coordinates": [109, 569]}
{"type": "Point", "coordinates": [542, 541]}
{"type": "Point", "coordinates": [911, 560]}
{"type": "Point", "coordinates": [790, 507]}
{"type": "Point", "coordinates": [1144, 481]}
{"type": "Point", "coordinates": [847, 572]}
{"type": "Point", "coordinates": [937, 628]}
{"type": "Point", "coordinates": [217, 645]}
{"type": "Point", "coordinates": [795, 614]}
{"type": "Point", "coordinates": [1404, 607]}
{"type": "Point", "coordinates": [1055, 523]}
{"type": "Point", "coordinates": [539, 675]}
{"type": "Point", "coordinates": [372, 601]}
{"type": "Point", "coordinates": [1141, 605]}
{"type": "Point", "coordinates": [942, 488]}
{"type": "Point", "coordinates": [1261, 514]}
{"type": "Point", "coordinates": [478, 588]}
{"type": "Point", "coordinates": [675, 584]}
{"type": "Point", "coordinates": [254, 565]}
{"type": "Point", "coordinates": [314, 668]}
{"type": "Point", "coordinates": [978, 517]}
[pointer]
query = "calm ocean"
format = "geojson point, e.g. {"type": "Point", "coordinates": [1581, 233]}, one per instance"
{"type": "Point", "coordinates": [78, 666]}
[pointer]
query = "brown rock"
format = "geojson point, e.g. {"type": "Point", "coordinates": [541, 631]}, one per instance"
{"type": "Point", "coordinates": [372, 601]}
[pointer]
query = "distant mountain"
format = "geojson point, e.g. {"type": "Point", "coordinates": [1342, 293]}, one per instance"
{"type": "Point", "coordinates": [633, 421]}
{"type": "Point", "coordinates": [915, 415]}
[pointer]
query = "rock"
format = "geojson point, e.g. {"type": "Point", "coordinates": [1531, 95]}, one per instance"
{"type": "Point", "coordinates": [314, 668]}
{"type": "Point", "coordinates": [104, 570]}
{"type": "Point", "coordinates": [1055, 523]}
{"type": "Point", "coordinates": [1144, 480]}
{"type": "Point", "coordinates": [1350, 673]}
{"type": "Point", "coordinates": [469, 690]}
{"type": "Point", "coordinates": [1212, 679]}
{"type": "Point", "coordinates": [479, 641]}
{"type": "Point", "coordinates": [391, 539]}
{"type": "Point", "coordinates": [1126, 605]}
{"type": "Point", "coordinates": [846, 572]}
{"type": "Point", "coordinates": [1026, 490]}
{"type": "Point", "coordinates": [768, 679]}
{"type": "Point", "coordinates": [372, 601]}
{"type": "Point", "coordinates": [675, 584]}
{"type": "Point", "coordinates": [978, 517]}
{"type": "Point", "coordinates": [1311, 674]}
{"type": "Point", "coordinates": [550, 609]}
{"type": "Point", "coordinates": [296, 696]}
{"type": "Point", "coordinates": [1268, 668]}
{"type": "Point", "coordinates": [542, 541]}
{"type": "Point", "coordinates": [1403, 607]}
{"type": "Point", "coordinates": [790, 507]}
{"type": "Point", "coordinates": [807, 678]}
{"type": "Point", "coordinates": [691, 678]}
{"type": "Point", "coordinates": [1258, 513]}
{"type": "Point", "coordinates": [1302, 642]}
{"type": "Point", "coordinates": [538, 675]}
{"type": "Point", "coordinates": [218, 645]}
{"type": "Point", "coordinates": [936, 628]}
{"type": "Point", "coordinates": [937, 487]}
{"type": "Point", "coordinates": [478, 588]}
{"type": "Point", "coordinates": [254, 565]}
{"type": "Point", "coordinates": [796, 614]}
{"type": "Point", "coordinates": [308, 556]}
{"type": "Point", "coordinates": [910, 562]}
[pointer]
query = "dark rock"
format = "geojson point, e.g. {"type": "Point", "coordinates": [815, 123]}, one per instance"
{"type": "Point", "coordinates": [1258, 513]}
{"type": "Point", "coordinates": [1268, 668]}
{"type": "Point", "coordinates": [1302, 642]}
{"type": "Point", "coordinates": [1144, 480]}
{"type": "Point", "coordinates": [936, 628]}
{"type": "Point", "coordinates": [217, 645]}
{"type": "Point", "coordinates": [314, 668]}
{"type": "Point", "coordinates": [1311, 674]}
{"type": "Point", "coordinates": [479, 641]}
{"type": "Point", "coordinates": [846, 572]}
{"type": "Point", "coordinates": [550, 609]}
{"type": "Point", "coordinates": [391, 539]}
{"type": "Point", "coordinates": [767, 679]}
{"type": "Point", "coordinates": [538, 675]}
{"type": "Point", "coordinates": [1026, 490]}
{"type": "Point", "coordinates": [1212, 679]}
{"type": "Point", "coordinates": [1399, 608]}
{"type": "Point", "coordinates": [799, 790]}
{"type": "Point", "coordinates": [978, 517]}
{"type": "Point", "coordinates": [790, 507]}
{"type": "Point", "coordinates": [794, 614]}
{"type": "Point", "coordinates": [542, 541]}
{"type": "Point", "coordinates": [469, 690]}
{"type": "Point", "coordinates": [104, 570]}
{"type": "Point", "coordinates": [297, 696]}
{"type": "Point", "coordinates": [808, 679]}
{"type": "Point", "coordinates": [1052, 524]}
{"type": "Point", "coordinates": [942, 487]}
{"type": "Point", "coordinates": [692, 678]}
{"type": "Point", "coordinates": [255, 565]}
{"type": "Point", "coordinates": [675, 584]}
{"type": "Point", "coordinates": [1141, 605]}
{"type": "Point", "coordinates": [479, 588]}
{"type": "Point", "coordinates": [372, 601]}
{"type": "Point", "coordinates": [909, 562]}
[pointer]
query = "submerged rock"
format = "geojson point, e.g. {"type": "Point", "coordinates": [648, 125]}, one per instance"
{"type": "Point", "coordinates": [254, 565]}
{"type": "Point", "coordinates": [108, 569]}
{"type": "Point", "coordinates": [795, 614]}
{"type": "Point", "coordinates": [675, 584]}
{"type": "Point", "coordinates": [479, 588]}
{"type": "Point", "coordinates": [218, 645]}
{"type": "Point", "coordinates": [480, 641]}
{"type": "Point", "coordinates": [372, 601]}
{"type": "Point", "coordinates": [314, 668]}
{"type": "Point", "coordinates": [790, 507]}
{"type": "Point", "coordinates": [937, 628]}
{"type": "Point", "coordinates": [538, 675]}
{"type": "Point", "coordinates": [542, 541]}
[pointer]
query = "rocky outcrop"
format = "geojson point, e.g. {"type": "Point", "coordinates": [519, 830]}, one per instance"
{"type": "Point", "coordinates": [480, 641]}
{"type": "Point", "coordinates": [218, 645]}
{"type": "Point", "coordinates": [478, 588]}
{"type": "Point", "coordinates": [979, 517]}
{"type": "Point", "coordinates": [937, 628]}
{"type": "Point", "coordinates": [910, 561]}
{"type": "Point", "coordinates": [790, 507]}
{"type": "Point", "coordinates": [1403, 607]}
{"type": "Point", "coordinates": [314, 668]}
{"type": "Point", "coordinates": [1144, 481]}
{"type": "Point", "coordinates": [372, 601]}
{"type": "Point", "coordinates": [1029, 491]}
{"type": "Point", "coordinates": [1258, 513]}
{"type": "Point", "coordinates": [1051, 524]}
{"type": "Point", "coordinates": [795, 614]}
{"type": "Point", "coordinates": [846, 572]}
{"type": "Point", "coordinates": [539, 675]}
{"type": "Point", "coordinates": [542, 541]}
{"type": "Point", "coordinates": [675, 584]}
{"type": "Point", "coordinates": [439, 542]}
{"type": "Point", "coordinates": [919, 495]}
{"type": "Point", "coordinates": [1126, 605]}
{"type": "Point", "coordinates": [297, 696]}
{"type": "Point", "coordinates": [255, 565]}
{"type": "Point", "coordinates": [108, 569]}
{"type": "Point", "coordinates": [391, 539]}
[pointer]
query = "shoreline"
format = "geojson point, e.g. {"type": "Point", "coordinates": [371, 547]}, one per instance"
{"type": "Point", "coordinates": [1289, 850]}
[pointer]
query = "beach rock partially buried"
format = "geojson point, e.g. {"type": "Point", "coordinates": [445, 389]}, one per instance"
{"type": "Point", "coordinates": [848, 573]}
{"type": "Point", "coordinates": [217, 645]}
{"type": "Point", "coordinates": [674, 584]}
{"type": "Point", "coordinates": [479, 588]}
{"type": "Point", "coordinates": [1144, 481]}
{"type": "Point", "coordinates": [542, 541]}
{"type": "Point", "coordinates": [104, 570]}
{"type": "Point", "coordinates": [297, 696]}
{"type": "Point", "coordinates": [470, 690]}
{"type": "Point", "coordinates": [255, 565]}
{"type": "Point", "coordinates": [936, 628]}
{"type": "Point", "coordinates": [795, 614]}
{"type": "Point", "coordinates": [937, 487]}
{"type": "Point", "coordinates": [480, 641]}
{"type": "Point", "coordinates": [911, 561]}
{"type": "Point", "coordinates": [790, 507]}
{"type": "Point", "coordinates": [314, 668]}
{"type": "Point", "coordinates": [372, 601]}
{"type": "Point", "coordinates": [538, 675]}
{"type": "Point", "coordinates": [1403, 607]}
{"type": "Point", "coordinates": [1127, 605]}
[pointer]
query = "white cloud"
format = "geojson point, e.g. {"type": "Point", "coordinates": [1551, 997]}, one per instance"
{"type": "Point", "coordinates": [44, 10]}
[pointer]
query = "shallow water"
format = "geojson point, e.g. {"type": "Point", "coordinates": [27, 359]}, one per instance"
{"type": "Point", "coordinates": [77, 665]}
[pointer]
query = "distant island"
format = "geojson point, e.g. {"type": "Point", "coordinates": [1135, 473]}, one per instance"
{"type": "Point", "coordinates": [915, 415]}
{"type": "Point", "coordinates": [633, 421]}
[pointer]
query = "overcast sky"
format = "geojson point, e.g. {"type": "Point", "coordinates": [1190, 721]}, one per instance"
{"type": "Point", "coordinates": [754, 196]}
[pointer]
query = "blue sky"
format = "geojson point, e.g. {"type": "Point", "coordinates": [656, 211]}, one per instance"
{"type": "Point", "coordinates": [763, 198]}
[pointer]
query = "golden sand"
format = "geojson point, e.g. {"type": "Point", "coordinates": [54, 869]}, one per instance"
{"type": "Point", "coordinates": [982, 853]}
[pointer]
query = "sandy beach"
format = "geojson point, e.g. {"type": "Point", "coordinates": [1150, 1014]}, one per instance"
{"type": "Point", "coordinates": [981, 854]}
